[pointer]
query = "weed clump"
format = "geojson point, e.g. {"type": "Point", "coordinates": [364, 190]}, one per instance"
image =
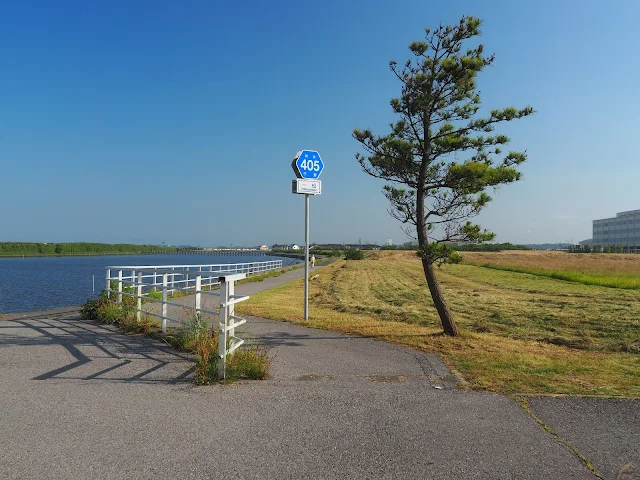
{"type": "Point", "coordinates": [206, 349]}
{"type": "Point", "coordinates": [197, 337]}
{"type": "Point", "coordinates": [252, 362]}
{"type": "Point", "coordinates": [105, 309]}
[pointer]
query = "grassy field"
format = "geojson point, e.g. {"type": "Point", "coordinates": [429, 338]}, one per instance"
{"type": "Point", "coordinates": [520, 333]}
{"type": "Point", "coordinates": [607, 270]}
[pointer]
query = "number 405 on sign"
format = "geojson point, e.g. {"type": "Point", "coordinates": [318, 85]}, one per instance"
{"type": "Point", "coordinates": [307, 164]}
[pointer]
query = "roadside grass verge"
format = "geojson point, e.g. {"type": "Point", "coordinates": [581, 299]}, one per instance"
{"type": "Point", "coordinates": [604, 279]}
{"type": "Point", "coordinates": [520, 333]}
{"type": "Point", "coordinates": [196, 337]}
{"type": "Point", "coordinates": [264, 276]}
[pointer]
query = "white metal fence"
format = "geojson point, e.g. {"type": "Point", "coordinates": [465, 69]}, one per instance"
{"type": "Point", "coordinates": [219, 280]}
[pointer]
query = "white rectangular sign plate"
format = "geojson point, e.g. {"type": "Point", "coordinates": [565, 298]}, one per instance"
{"type": "Point", "coordinates": [311, 187]}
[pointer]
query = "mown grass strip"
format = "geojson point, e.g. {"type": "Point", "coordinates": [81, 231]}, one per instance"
{"type": "Point", "coordinates": [602, 279]}
{"type": "Point", "coordinates": [520, 333]}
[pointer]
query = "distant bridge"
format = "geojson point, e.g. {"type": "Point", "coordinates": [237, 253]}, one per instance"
{"type": "Point", "coordinates": [253, 252]}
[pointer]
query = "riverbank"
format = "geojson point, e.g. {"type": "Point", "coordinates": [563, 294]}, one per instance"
{"type": "Point", "coordinates": [39, 283]}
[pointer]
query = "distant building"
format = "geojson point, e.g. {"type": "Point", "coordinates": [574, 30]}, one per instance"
{"type": "Point", "coordinates": [263, 248]}
{"type": "Point", "coordinates": [389, 242]}
{"type": "Point", "coordinates": [623, 229]}
{"type": "Point", "coordinates": [295, 247]}
{"type": "Point", "coordinates": [277, 246]}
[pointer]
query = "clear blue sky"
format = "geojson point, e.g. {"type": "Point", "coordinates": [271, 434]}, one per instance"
{"type": "Point", "coordinates": [176, 122]}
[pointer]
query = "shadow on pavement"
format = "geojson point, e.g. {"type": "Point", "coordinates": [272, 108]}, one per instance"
{"type": "Point", "coordinates": [98, 352]}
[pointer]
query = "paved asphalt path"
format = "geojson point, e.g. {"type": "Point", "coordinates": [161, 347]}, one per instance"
{"type": "Point", "coordinates": [79, 400]}
{"type": "Point", "coordinates": [211, 302]}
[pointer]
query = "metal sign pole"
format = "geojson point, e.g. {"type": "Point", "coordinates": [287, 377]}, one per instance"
{"type": "Point", "coordinates": [306, 256]}
{"type": "Point", "coordinates": [308, 166]}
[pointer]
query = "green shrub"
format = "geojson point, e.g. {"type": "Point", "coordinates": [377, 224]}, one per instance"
{"type": "Point", "coordinates": [353, 254]}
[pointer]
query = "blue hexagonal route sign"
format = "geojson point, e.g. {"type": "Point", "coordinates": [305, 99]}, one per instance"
{"type": "Point", "coordinates": [308, 164]}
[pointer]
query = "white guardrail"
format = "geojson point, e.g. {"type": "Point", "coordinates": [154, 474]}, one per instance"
{"type": "Point", "coordinates": [217, 280]}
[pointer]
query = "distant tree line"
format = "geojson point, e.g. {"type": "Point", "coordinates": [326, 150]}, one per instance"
{"type": "Point", "coordinates": [326, 252]}
{"type": "Point", "coordinates": [77, 248]}
{"type": "Point", "coordinates": [488, 247]}
{"type": "Point", "coordinates": [603, 249]}
{"type": "Point", "coordinates": [470, 247]}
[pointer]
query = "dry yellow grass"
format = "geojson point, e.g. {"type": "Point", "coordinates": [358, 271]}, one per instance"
{"type": "Point", "coordinates": [586, 262]}
{"type": "Point", "coordinates": [520, 333]}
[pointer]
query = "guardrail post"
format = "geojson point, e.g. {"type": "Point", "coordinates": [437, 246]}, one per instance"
{"type": "Point", "coordinates": [231, 287]}
{"type": "Point", "coordinates": [164, 302]}
{"type": "Point", "coordinates": [119, 286]}
{"type": "Point", "coordinates": [139, 292]}
{"type": "Point", "coordinates": [222, 330]}
{"type": "Point", "coordinates": [198, 294]}
{"type": "Point", "coordinates": [108, 286]}
{"type": "Point", "coordinates": [173, 278]}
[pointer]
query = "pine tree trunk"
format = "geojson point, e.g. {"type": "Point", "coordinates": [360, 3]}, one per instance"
{"type": "Point", "coordinates": [448, 324]}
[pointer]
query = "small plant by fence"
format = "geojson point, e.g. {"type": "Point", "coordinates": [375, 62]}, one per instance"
{"type": "Point", "coordinates": [138, 283]}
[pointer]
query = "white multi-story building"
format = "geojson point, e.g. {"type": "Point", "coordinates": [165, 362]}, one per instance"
{"type": "Point", "coordinates": [623, 229]}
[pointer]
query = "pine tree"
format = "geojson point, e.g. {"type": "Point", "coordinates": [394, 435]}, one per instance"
{"type": "Point", "coordinates": [435, 191]}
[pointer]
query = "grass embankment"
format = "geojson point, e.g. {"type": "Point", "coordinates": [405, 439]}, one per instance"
{"type": "Point", "coordinates": [520, 333]}
{"type": "Point", "coordinates": [615, 271]}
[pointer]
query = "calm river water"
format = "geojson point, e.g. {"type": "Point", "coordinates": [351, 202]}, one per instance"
{"type": "Point", "coordinates": [28, 284]}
